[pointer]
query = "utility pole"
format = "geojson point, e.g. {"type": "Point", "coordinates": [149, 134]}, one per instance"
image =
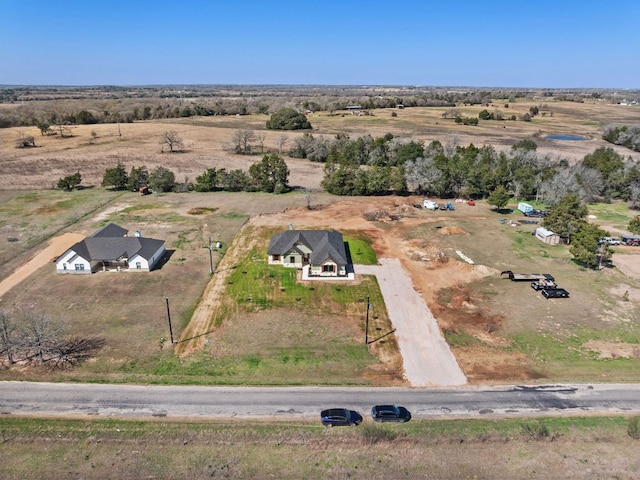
{"type": "Point", "coordinates": [210, 257]}
{"type": "Point", "coordinates": [169, 318]}
{"type": "Point", "coordinates": [366, 323]}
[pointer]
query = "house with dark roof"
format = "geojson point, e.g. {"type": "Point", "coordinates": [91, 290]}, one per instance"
{"type": "Point", "coordinates": [323, 251]}
{"type": "Point", "coordinates": [111, 249]}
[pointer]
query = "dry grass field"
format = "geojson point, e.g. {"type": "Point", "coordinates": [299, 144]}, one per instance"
{"type": "Point", "coordinates": [487, 320]}
{"type": "Point", "coordinates": [500, 331]}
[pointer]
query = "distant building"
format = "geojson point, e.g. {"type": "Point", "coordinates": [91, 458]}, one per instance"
{"type": "Point", "coordinates": [547, 236]}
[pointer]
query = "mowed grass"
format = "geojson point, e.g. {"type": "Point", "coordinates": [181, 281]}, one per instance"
{"type": "Point", "coordinates": [108, 448]}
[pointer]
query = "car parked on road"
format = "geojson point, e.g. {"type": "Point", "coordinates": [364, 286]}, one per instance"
{"type": "Point", "coordinates": [340, 417]}
{"type": "Point", "coordinates": [390, 413]}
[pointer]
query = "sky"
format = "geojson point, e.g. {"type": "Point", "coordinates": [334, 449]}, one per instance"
{"type": "Point", "coordinates": [490, 43]}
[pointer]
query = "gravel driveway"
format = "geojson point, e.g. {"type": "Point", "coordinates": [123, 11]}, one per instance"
{"type": "Point", "coordinates": [426, 356]}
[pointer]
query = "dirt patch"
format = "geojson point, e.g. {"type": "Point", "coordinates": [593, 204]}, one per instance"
{"type": "Point", "coordinates": [613, 349]}
{"type": "Point", "coordinates": [451, 230]}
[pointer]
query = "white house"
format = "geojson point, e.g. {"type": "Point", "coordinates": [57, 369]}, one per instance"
{"type": "Point", "coordinates": [111, 249]}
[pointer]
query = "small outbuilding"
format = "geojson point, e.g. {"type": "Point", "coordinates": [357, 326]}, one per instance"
{"type": "Point", "coordinates": [547, 236]}
{"type": "Point", "coordinates": [525, 207]}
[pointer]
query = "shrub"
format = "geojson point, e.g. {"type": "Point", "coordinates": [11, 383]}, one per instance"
{"type": "Point", "coordinates": [537, 431]}
{"type": "Point", "coordinates": [372, 433]}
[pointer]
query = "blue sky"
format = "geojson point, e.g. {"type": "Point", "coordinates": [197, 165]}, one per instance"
{"type": "Point", "coordinates": [515, 43]}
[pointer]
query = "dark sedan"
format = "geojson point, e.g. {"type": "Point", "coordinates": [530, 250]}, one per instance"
{"type": "Point", "coordinates": [340, 417]}
{"type": "Point", "coordinates": [390, 413]}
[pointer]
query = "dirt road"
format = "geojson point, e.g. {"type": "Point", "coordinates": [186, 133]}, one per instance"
{"type": "Point", "coordinates": [56, 247]}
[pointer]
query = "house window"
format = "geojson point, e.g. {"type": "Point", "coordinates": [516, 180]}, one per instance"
{"type": "Point", "coordinates": [138, 265]}
{"type": "Point", "coordinates": [328, 268]}
{"type": "Point", "coordinates": [276, 258]}
{"type": "Point", "coordinates": [292, 259]}
{"type": "Point", "coordinates": [79, 267]}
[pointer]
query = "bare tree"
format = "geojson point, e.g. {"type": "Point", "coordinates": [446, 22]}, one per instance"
{"type": "Point", "coordinates": [261, 138]}
{"type": "Point", "coordinates": [40, 335]}
{"type": "Point", "coordinates": [308, 196]}
{"type": "Point", "coordinates": [634, 194]}
{"type": "Point", "coordinates": [242, 139]}
{"type": "Point", "coordinates": [25, 141]}
{"type": "Point", "coordinates": [172, 140]}
{"type": "Point", "coordinates": [8, 339]}
{"type": "Point", "coordinates": [282, 142]}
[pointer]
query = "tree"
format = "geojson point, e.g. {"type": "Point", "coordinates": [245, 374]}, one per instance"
{"type": "Point", "coordinates": [242, 139]}
{"type": "Point", "coordinates": [567, 217]}
{"type": "Point", "coordinates": [585, 246]}
{"type": "Point", "coordinates": [232, 181]}
{"type": "Point", "coordinates": [115, 177]}
{"type": "Point", "coordinates": [207, 182]}
{"type": "Point", "coordinates": [162, 179]}
{"type": "Point", "coordinates": [634, 225]}
{"type": "Point", "coordinates": [288, 119]}
{"type": "Point", "coordinates": [271, 174]}
{"type": "Point", "coordinates": [282, 142]}
{"type": "Point", "coordinates": [173, 141]}
{"type": "Point", "coordinates": [499, 197]}
{"type": "Point", "coordinates": [138, 177]}
{"type": "Point", "coordinates": [70, 182]}
{"type": "Point", "coordinates": [8, 338]}
{"type": "Point", "coordinates": [25, 141]}
{"type": "Point", "coordinates": [525, 144]}
{"type": "Point", "coordinates": [39, 335]}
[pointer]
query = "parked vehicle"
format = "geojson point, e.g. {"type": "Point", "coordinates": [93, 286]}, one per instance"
{"type": "Point", "coordinates": [390, 413]}
{"type": "Point", "coordinates": [536, 213]}
{"type": "Point", "coordinates": [523, 277]}
{"type": "Point", "coordinates": [340, 417]}
{"type": "Point", "coordinates": [540, 284]}
{"type": "Point", "coordinates": [633, 240]}
{"type": "Point", "coordinates": [554, 293]}
{"type": "Point", "coordinates": [610, 241]}
{"type": "Point", "coordinates": [430, 205]}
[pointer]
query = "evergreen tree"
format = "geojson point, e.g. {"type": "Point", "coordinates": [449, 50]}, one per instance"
{"type": "Point", "coordinates": [567, 217]}
{"type": "Point", "coordinates": [115, 177]}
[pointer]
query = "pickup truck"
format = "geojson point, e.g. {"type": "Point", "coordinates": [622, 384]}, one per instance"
{"type": "Point", "coordinates": [543, 283]}
{"type": "Point", "coordinates": [554, 293]}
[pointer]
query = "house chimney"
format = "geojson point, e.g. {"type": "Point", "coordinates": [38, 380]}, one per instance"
{"type": "Point", "coordinates": [138, 233]}
{"type": "Point", "coordinates": [291, 226]}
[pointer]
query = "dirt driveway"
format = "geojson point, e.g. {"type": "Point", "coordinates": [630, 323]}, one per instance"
{"type": "Point", "coordinates": [426, 356]}
{"type": "Point", "coordinates": [57, 246]}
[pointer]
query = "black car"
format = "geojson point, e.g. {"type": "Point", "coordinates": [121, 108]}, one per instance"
{"type": "Point", "coordinates": [340, 417]}
{"type": "Point", "coordinates": [536, 213]}
{"type": "Point", "coordinates": [390, 413]}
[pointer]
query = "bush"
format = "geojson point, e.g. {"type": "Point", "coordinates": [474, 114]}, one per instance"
{"type": "Point", "coordinates": [372, 433]}
{"type": "Point", "coordinates": [537, 431]}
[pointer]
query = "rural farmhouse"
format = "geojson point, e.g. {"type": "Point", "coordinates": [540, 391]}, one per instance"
{"type": "Point", "coordinates": [111, 249]}
{"type": "Point", "coordinates": [322, 251]}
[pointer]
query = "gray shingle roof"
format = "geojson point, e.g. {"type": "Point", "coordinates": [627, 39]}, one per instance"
{"type": "Point", "coordinates": [324, 244]}
{"type": "Point", "coordinates": [109, 243]}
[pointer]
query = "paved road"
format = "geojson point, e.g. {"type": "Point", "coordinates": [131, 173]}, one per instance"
{"type": "Point", "coordinates": [24, 398]}
{"type": "Point", "coordinates": [427, 358]}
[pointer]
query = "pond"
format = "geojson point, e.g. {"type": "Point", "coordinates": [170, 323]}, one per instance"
{"type": "Point", "coordinates": [565, 137]}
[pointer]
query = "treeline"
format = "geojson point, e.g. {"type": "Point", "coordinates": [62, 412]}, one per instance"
{"type": "Point", "coordinates": [383, 165]}
{"type": "Point", "coordinates": [624, 135]}
{"type": "Point", "coordinates": [270, 175]}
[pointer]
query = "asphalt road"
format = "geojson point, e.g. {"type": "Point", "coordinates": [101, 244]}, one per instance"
{"type": "Point", "coordinates": [57, 399]}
